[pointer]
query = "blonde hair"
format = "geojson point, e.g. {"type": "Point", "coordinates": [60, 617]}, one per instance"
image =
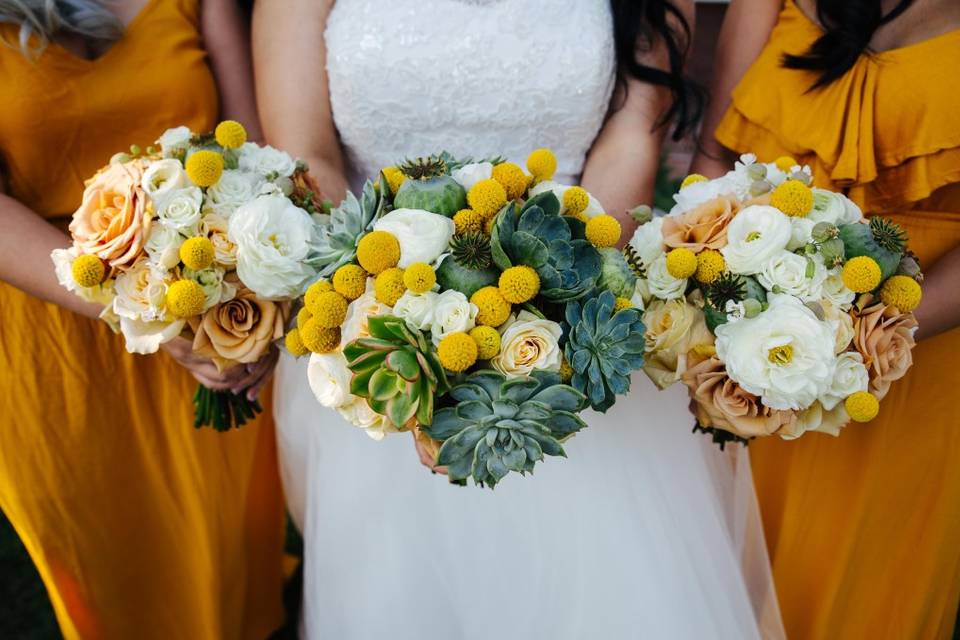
{"type": "Point", "coordinates": [43, 19]}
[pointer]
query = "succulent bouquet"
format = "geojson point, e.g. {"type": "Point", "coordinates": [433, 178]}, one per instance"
{"type": "Point", "coordinates": [209, 237]}
{"type": "Point", "coordinates": [479, 306]}
{"type": "Point", "coordinates": [778, 305]}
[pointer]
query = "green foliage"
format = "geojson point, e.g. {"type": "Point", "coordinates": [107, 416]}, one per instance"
{"type": "Point", "coordinates": [338, 238]}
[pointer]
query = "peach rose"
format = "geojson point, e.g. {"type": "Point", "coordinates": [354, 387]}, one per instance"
{"type": "Point", "coordinates": [703, 227]}
{"type": "Point", "coordinates": [113, 221]}
{"type": "Point", "coordinates": [240, 330]}
{"type": "Point", "coordinates": [719, 402]}
{"type": "Point", "coordinates": [885, 339]}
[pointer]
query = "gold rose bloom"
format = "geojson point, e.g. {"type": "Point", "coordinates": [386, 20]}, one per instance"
{"type": "Point", "coordinates": [885, 339]}
{"type": "Point", "coordinates": [703, 227]}
{"type": "Point", "coordinates": [239, 330]}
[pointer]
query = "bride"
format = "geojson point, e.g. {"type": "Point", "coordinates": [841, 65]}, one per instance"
{"type": "Point", "coordinates": [647, 530]}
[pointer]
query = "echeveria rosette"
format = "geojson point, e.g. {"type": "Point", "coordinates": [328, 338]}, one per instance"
{"type": "Point", "coordinates": [603, 348]}
{"type": "Point", "coordinates": [503, 424]}
{"type": "Point", "coordinates": [396, 371]}
{"type": "Point", "coordinates": [348, 222]}
{"type": "Point", "coordinates": [553, 245]}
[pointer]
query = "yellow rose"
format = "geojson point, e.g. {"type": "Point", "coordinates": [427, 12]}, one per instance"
{"type": "Point", "coordinates": [675, 328]}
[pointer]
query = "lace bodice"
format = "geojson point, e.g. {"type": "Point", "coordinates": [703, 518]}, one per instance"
{"type": "Point", "coordinates": [472, 77]}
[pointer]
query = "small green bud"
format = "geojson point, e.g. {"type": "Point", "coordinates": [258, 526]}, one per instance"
{"type": "Point", "coordinates": [751, 308]}
{"type": "Point", "coordinates": [757, 171]}
{"type": "Point", "coordinates": [760, 187]}
{"type": "Point", "coordinates": [642, 214]}
{"type": "Point", "coordinates": [823, 231]}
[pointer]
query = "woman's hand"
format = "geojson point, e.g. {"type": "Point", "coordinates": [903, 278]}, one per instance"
{"type": "Point", "coordinates": [427, 458]}
{"type": "Point", "coordinates": [243, 377]}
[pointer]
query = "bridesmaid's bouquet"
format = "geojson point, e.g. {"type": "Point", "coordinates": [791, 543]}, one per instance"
{"type": "Point", "coordinates": [478, 306]}
{"type": "Point", "coordinates": [208, 237]}
{"type": "Point", "coordinates": [779, 305]}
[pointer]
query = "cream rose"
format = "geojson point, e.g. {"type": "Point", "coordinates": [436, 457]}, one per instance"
{"type": "Point", "coordinates": [754, 237]}
{"type": "Point", "coordinates": [359, 312]}
{"type": "Point", "coordinates": [423, 236]}
{"type": "Point", "coordinates": [216, 286]}
{"type": "Point", "coordinates": [359, 414]}
{"type": "Point", "coordinates": [234, 189]}
{"type": "Point", "coordinates": [162, 178]}
{"type": "Point", "coordinates": [836, 292]}
{"type": "Point", "coordinates": [329, 379]}
{"type": "Point", "coordinates": [663, 285]}
{"type": "Point", "coordinates": [816, 418]}
{"type": "Point", "coordinates": [416, 309]}
{"type": "Point", "coordinates": [528, 342]}
{"type": "Point", "coordinates": [794, 275]}
{"type": "Point", "coordinates": [141, 293]}
{"type": "Point", "coordinates": [265, 161]}
{"type": "Point", "coordinates": [452, 313]}
{"type": "Point", "coordinates": [174, 140]}
{"type": "Point", "coordinates": [842, 324]}
{"type": "Point", "coordinates": [849, 376]}
{"type": "Point", "coordinates": [180, 209]}
{"type": "Point", "coordinates": [163, 247]}
{"type": "Point", "coordinates": [674, 328]}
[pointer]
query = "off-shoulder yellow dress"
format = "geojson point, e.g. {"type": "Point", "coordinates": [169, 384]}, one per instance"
{"type": "Point", "coordinates": [141, 526]}
{"type": "Point", "coordinates": [864, 529]}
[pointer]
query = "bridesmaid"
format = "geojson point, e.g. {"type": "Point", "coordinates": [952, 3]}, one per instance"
{"type": "Point", "coordinates": [140, 526]}
{"type": "Point", "coordinates": [864, 530]}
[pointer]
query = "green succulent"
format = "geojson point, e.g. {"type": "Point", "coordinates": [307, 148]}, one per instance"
{"type": "Point", "coordinates": [502, 424]}
{"type": "Point", "coordinates": [603, 348]}
{"type": "Point", "coordinates": [553, 245]}
{"type": "Point", "coordinates": [338, 237]}
{"type": "Point", "coordinates": [396, 371]}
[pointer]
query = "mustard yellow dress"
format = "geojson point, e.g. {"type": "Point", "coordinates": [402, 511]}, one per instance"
{"type": "Point", "coordinates": [864, 529]}
{"type": "Point", "coordinates": [141, 526]}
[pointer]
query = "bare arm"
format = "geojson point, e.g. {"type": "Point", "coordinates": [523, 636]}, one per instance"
{"type": "Point", "coordinates": [939, 309]}
{"type": "Point", "coordinates": [290, 58]}
{"type": "Point", "coordinates": [226, 38]}
{"type": "Point", "coordinates": [746, 29]}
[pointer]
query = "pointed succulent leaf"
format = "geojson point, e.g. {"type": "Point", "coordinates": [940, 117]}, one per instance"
{"type": "Point", "coordinates": [565, 423]}
{"type": "Point", "coordinates": [446, 424]}
{"type": "Point", "coordinates": [519, 389]}
{"type": "Point", "coordinates": [460, 445]}
{"type": "Point", "coordinates": [383, 385]}
{"type": "Point", "coordinates": [560, 398]}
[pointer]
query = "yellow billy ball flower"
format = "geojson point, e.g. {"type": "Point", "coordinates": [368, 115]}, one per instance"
{"type": "Point", "coordinates": [622, 303]}
{"type": "Point", "coordinates": [389, 286]}
{"type": "Point", "coordinates": [487, 197]}
{"type": "Point", "coordinates": [710, 266]}
{"type": "Point", "coordinates": [519, 284]}
{"type": "Point", "coordinates": [488, 341]}
{"type": "Point", "coordinates": [395, 177]}
{"type": "Point", "coordinates": [468, 221]}
{"type": "Point", "coordinates": [693, 178]}
{"type": "Point", "coordinates": [575, 201]}
{"type": "Point", "coordinates": [302, 316]}
{"type": "Point", "coordinates": [603, 231]}
{"type": "Point", "coordinates": [329, 309]}
{"type": "Point", "coordinates": [419, 277]}
{"type": "Point", "coordinates": [862, 406]}
{"type": "Point", "coordinates": [457, 352]}
{"type": "Point", "coordinates": [488, 225]}
{"type": "Point", "coordinates": [88, 270]}
{"type": "Point", "coordinates": [230, 134]}
{"type": "Point", "coordinates": [785, 163]}
{"type": "Point", "coordinates": [494, 308]}
{"type": "Point", "coordinates": [513, 179]}
{"type": "Point", "coordinates": [793, 198]}
{"type": "Point", "coordinates": [294, 344]}
{"type": "Point", "coordinates": [319, 339]}
{"type": "Point", "coordinates": [197, 253]}
{"type": "Point", "coordinates": [204, 167]}
{"type": "Point", "coordinates": [185, 299]}
{"type": "Point", "coordinates": [681, 263]}
{"type": "Point", "coordinates": [861, 274]}
{"type": "Point", "coordinates": [350, 281]}
{"type": "Point", "coordinates": [378, 251]}
{"type": "Point", "coordinates": [318, 287]}
{"type": "Point", "coordinates": [902, 292]}
{"type": "Point", "coordinates": [566, 371]}
{"type": "Point", "coordinates": [542, 164]}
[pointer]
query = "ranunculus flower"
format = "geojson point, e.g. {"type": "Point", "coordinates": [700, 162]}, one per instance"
{"type": "Point", "coordinates": [785, 354]}
{"type": "Point", "coordinates": [163, 177]}
{"type": "Point", "coordinates": [788, 272]}
{"type": "Point", "coordinates": [528, 342]}
{"type": "Point", "coordinates": [470, 174]}
{"type": "Point", "coordinates": [174, 140]}
{"type": "Point", "coordinates": [674, 329]}
{"type": "Point", "coordinates": [329, 379]}
{"type": "Point", "coordinates": [663, 285]}
{"type": "Point", "coordinates": [756, 234]}
{"type": "Point", "coordinates": [274, 238]}
{"type": "Point", "coordinates": [885, 339]}
{"type": "Point", "coordinates": [452, 313]}
{"type": "Point", "coordinates": [423, 236]}
{"type": "Point", "coordinates": [234, 189]}
{"type": "Point", "coordinates": [801, 233]}
{"type": "Point", "coordinates": [647, 241]}
{"type": "Point", "coordinates": [703, 227]}
{"type": "Point", "coordinates": [239, 330]}
{"type": "Point", "coordinates": [266, 161]}
{"type": "Point", "coordinates": [114, 220]}
{"type": "Point", "coordinates": [180, 209]}
{"type": "Point", "coordinates": [849, 376]}
{"type": "Point", "coordinates": [416, 309]}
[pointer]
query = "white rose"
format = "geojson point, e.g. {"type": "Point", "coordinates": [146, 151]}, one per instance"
{"type": "Point", "coordinates": [217, 228]}
{"type": "Point", "coordinates": [663, 285]}
{"type": "Point", "coordinates": [647, 241]}
{"type": "Point", "coordinates": [470, 174]}
{"type": "Point", "coordinates": [174, 140]}
{"type": "Point", "coordinates": [832, 207]}
{"type": "Point", "coordinates": [63, 267]}
{"type": "Point", "coordinates": [359, 312]}
{"type": "Point", "coordinates": [359, 414]}
{"type": "Point", "coordinates": [162, 178]}
{"type": "Point", "coordinates": [528, 342]}
{"type": "Point", "coordinates": [594, 208]}
{"type": "Point", "coordinates": [141, 293]}
{"type": "Point", "coordinates": [329, 379]}
{"type": "Point", "coordinates": [788, 273]}
{"type": "Point", "coordinates": [754, 237]}
{"type": "Point", "coordinates": [163, 246]}
{"type": "Point", "coordinates": [234, 189]}
{"type": "Point", "coordinates": [784, 355]}
{"type": "Point", "coordinates": [273, 239]}
{"type": "Point", "coordinates": [181, 209]}
{"type": "Point", "coordinates": [416, 309]}
{"type": "Point", "coordinates": [452, 313]}
{"type": "Point", "coordinates": [849, 376]}
{"type": "Point", "coordinates": [215, 288]}
{"type": "Point", "coordinates": [836, 292]}
{"type": "Point", "coordinates": [265, 161]}
{"type": "Point", "coordinates": [423, 236]}
{"type": "Point", "coordinates": [146, 336]}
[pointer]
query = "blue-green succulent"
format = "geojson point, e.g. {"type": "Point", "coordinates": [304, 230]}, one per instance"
{"type": "Point", "coordinates": [338, 236]}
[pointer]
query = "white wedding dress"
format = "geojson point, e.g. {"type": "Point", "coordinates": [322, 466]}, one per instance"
{"type": "Point", "coordinates": [646, 530]}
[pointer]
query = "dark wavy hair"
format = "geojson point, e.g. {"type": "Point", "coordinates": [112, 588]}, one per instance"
{"type": "Point", "coordinates": [637, 26]}
{"type": "Point", "coordinates": [848, 27]}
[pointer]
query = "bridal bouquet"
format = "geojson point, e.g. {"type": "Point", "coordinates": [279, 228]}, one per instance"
{"type": "Point", "coordinates": [476, 305]}
{"type": "Point", "coordinates": [210, 237]}
{"type": "Point", "coordinates": [778, 305]}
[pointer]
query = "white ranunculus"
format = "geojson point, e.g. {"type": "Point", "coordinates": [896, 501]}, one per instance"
{"type": "Point", "coordinates": [63, 266]}
{"type": "Point", "coordinates": [359, 312]}
{"type": "Point", "coordinates": [784, 355]}
{"type": "Point", "coordinates": [162, 178]}
{"type": "Point", "coordinates": [416, 309]}
{"type": "Point", "coordinates": [647, 241]}
{"type": "Point", "coordinates": [163, 246]}
{"type": "Point", "coordinates": [528, 342]}
{"type": "Point", "coordinates": [143, 336]}
{"type": "Point", "coordinates": [174, 140]}
{"type": "Point", "coordinates": [594, 208]}
{"type": "Point", "coordinates": [849, 376]}
{"type": "Point", "coordinates": [273, 238]}
{"type": "Point", "coordinates": [754, 236]}
{"type": "Point", "coordinates": [359, 414]}
{"type": "Point", "coordinates": [215, 288]}
{"type": "Point", "coordinates": [452, 313]}
{"type": "Point", "coordinates": [141, 293]}
{"type": "Point", "coordinates": [836, 292]}
{"type": "Point", "coordinates": [693, 195]}
{"type": "Point", "coordinates": [832, 207]}
{"type": "Point", "coordinates": [423, 236]}
{"type": "Point", "coordinates": [217, 228]}
{"type": "Point", "coordinates": [470, 174]}
{"type": "Point", "coordinates": [234, 189]}
{"type": "Point", "coordinates": [329, 379]}
{"type": "Point", "coordinates": [266, 161]}
{"type": "Point", "coordinates": [662, 284]}
{"type": "Point", "coordinates": [794, 275]}
{"type": "Point", "coordinates": [180, 209]}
